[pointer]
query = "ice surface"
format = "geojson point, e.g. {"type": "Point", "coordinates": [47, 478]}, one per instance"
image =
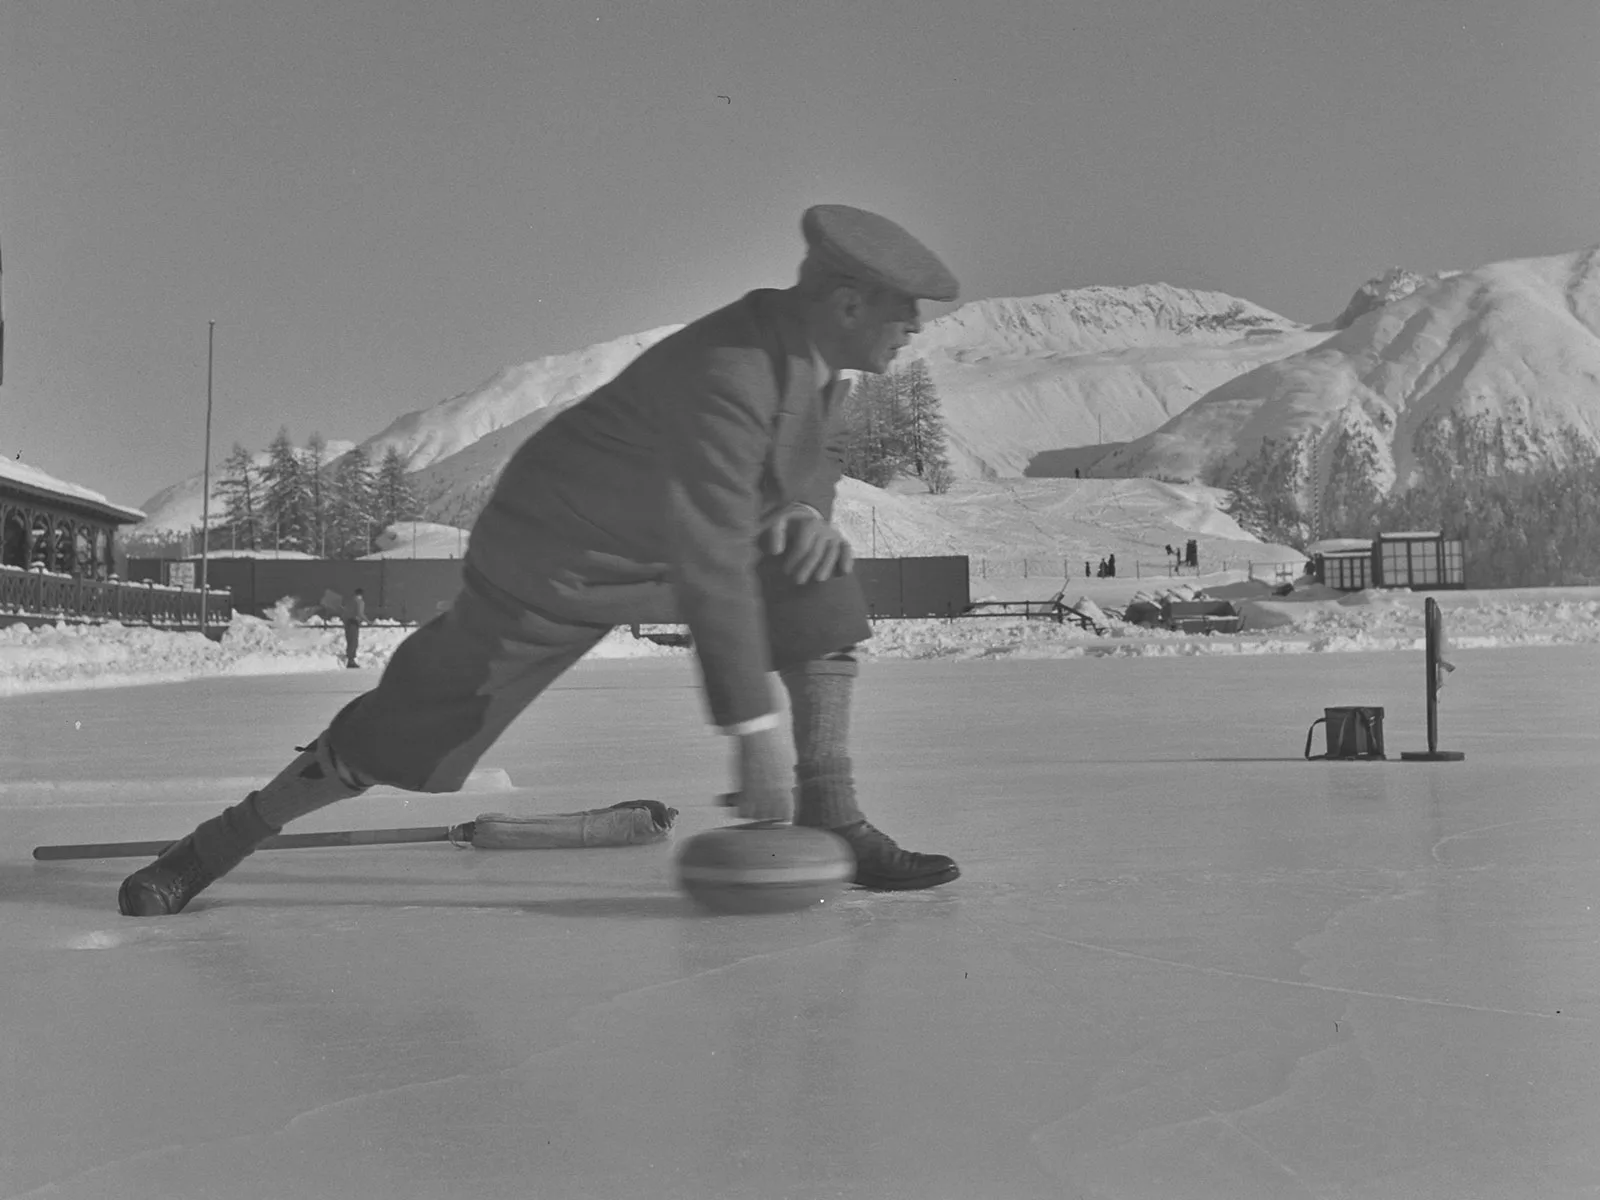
{"type": "Point", "coordinates": [1181, 961]}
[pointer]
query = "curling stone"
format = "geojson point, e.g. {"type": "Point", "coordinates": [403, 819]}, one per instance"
{"type": "Point", "coordinates": [764, 867]}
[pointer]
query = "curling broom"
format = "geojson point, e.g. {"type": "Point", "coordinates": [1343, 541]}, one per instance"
{"type": "Point", "coordinates": [630, 823]}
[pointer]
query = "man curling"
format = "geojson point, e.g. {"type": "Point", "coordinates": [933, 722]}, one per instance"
{"type": "Point", "coordinates": [696, 487]}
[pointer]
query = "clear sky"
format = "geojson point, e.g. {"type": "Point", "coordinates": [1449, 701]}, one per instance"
{"type": "Point", "coordinates": [382, 203]}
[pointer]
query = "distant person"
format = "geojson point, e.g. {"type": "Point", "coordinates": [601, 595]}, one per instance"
{"type": "Point", "coordinates": [694, 487]}
{"type": "Point", "coordinates": [355, 616]}
{"type": "Point", "coordinates": [1076, 473]}
{"type": "Point", "coordinates": [1111, 566]}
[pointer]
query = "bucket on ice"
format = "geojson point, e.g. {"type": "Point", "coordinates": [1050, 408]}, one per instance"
{"type": "Point", "coordinates": [1353, 732]}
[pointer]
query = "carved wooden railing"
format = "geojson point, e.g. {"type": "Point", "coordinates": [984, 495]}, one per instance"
{"type": "Point", "coordinates": [33, 593]}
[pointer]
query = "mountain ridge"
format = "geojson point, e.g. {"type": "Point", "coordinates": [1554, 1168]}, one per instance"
{"type": "Point", "coordinates": [1508, 352]}
{"type": "Point", "coordinates": [1153, 380]}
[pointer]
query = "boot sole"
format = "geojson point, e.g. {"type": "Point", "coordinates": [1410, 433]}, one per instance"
{"type": "Point", "coordinates": [914, 883]}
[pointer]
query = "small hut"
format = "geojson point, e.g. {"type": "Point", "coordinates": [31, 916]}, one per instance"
{"type": "Point", "coordinates": [1421, 561]}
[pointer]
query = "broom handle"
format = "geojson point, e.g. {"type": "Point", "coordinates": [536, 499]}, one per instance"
{"type": "Point", "coordinates": [282, 841]}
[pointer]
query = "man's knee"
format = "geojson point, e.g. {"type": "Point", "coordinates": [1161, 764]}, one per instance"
{"type": "Point", "coordinates": [837, 662]}
{"type": "Point", "coordinates": [328, 763]}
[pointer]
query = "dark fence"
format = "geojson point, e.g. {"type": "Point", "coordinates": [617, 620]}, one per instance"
{"type": "Point", "coordinates": [32, 596]}
{"type": "Point", "coordinates": [409, 590]}
{"type": "Point", "coordinates": [916, 587]}
{"type": "Point", "coordinates": [413, 590]}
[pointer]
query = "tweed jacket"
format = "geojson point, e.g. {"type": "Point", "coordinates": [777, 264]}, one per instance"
{"type": "Point", "coordinates": [644, 500]}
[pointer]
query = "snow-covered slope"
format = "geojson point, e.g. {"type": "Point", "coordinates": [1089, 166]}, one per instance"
{"type": "Point", "coordinates": [1394, 284]}
{"type": "Point", "coordinates": [1513, 346]}
{"type": "Point", "coordinates": [1052, 521]}
{"type": "Point", "coordinates": [523, 397]}
{"type": "Point", "coordinates": [1022, 381]}
{"type": "Point", "coordinates": [1019, 380]}
{"type": "Point", "coordinates": [1150, 380]}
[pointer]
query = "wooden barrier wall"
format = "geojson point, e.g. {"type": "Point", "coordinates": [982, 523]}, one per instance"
{"type": "Point", "coordinates": [413, 590]}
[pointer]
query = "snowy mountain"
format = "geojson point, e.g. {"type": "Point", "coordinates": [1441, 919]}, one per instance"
{"type": "Point", "coordinates": [1030, 386]}
{"type": "Point", "coordinates": [510, 406]}
{"type": "Point", "coordinates": [1034, 386]}
{"type": "Point", "coordinates": [1394, 284]}
{"type": "Point", "coordinates": [1483, 369]}
{"type": "Point", "coordinates": [1151, 381]}
{"type": "Point", "coordinates": [1021, 382]}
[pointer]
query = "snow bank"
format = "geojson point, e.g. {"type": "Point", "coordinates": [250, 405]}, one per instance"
{"type": "Point", "coordinates": [1365, 621]}
{"type": "Point", "coordinates": [1311, 621]}
{"type": "Point", "coordinates": [60, 657]}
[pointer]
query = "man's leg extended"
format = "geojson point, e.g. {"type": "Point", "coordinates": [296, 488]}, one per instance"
{"type": "Point", "coordinates": [819, 705]}
{"type": "Point", "coordinates": [804, 623]}
{"type": "Point", "coordinates": [450, 690]}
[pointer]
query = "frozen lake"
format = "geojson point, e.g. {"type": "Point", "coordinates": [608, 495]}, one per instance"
{"type": "Point", "coordinates": [1181, 961]}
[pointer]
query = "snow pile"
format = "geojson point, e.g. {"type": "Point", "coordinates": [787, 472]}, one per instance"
{"type": "Point", "coordinates": [1362, 621]}
{"type": "Point", "coordinates": [214, 551]}
{"type": "Point", "coordinates": [421, 539]}
{"type": "Point", "coordinates": [1089, 609]}
{"type": "Point", "coordinates": [61, 657]}
{"type": "Point", "coordinates": [57, 657]}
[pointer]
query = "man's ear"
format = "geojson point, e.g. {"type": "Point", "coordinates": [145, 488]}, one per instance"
{"type": "Point", "coordinates": [848, 304]}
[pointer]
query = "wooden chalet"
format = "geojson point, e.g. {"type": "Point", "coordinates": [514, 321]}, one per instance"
{"type": "Point", "coordinates": [57, 556]}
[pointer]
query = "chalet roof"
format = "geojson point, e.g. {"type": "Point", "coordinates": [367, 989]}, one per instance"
{"type": "Point", "coordinates": [1340, 546]}
{"type": "Point", "coordinates": [20, 478]}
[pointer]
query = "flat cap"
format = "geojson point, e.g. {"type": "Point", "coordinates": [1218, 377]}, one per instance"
{"type": "Point", "coordinates": [864, 245]}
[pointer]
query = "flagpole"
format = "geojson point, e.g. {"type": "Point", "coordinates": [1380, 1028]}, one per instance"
{"type": "Point", "coordinates": [205, 494]}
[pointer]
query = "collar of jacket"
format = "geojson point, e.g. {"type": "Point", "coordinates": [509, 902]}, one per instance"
{"type": "Point", "coordinates": [804, 371]}
{"type": "Point", "coordinates": [807, 404]}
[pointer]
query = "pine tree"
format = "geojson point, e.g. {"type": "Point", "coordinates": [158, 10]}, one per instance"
{"type": "Point", "coordinates": [284, 517]}
{"type": "Point", "coordinates": [313, 458]}
{"type": "Point", "coordinates": [866, 437]}
{"type": "Point", "coordinates": [352, 516]}
{"type": "Point", "coordinates": [924, 428]}
{"type": "Point", "coordinates": [1531, 526]}
{"type": "Point", "coordinates": [397, 499]}
{"type": "Point", "coordinates": [1265, 492]}
{"type": "Point", "coordinates": [241, 490]}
